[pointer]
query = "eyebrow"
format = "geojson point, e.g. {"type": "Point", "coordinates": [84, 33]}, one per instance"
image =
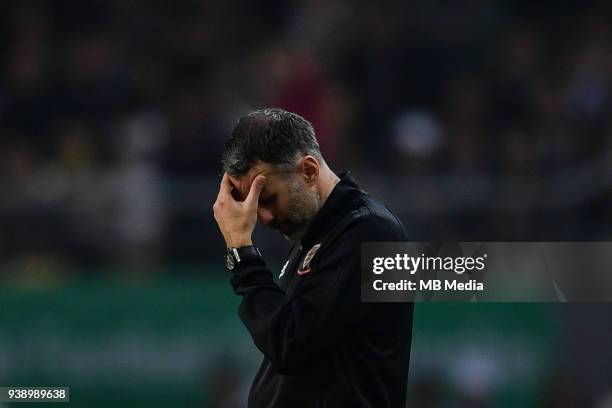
{"type": "Point", "coordinates": [240, 196]}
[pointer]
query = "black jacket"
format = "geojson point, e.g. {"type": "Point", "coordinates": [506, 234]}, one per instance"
{"type": "Point", "coordinates": [322, 347]}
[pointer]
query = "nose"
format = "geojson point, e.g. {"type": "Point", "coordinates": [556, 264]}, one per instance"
{"type": "Point", "coordinates": [264, 215]}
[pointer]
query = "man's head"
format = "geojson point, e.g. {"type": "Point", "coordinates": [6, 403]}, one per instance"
{"type": "Point", "coordinates": [281, 146]}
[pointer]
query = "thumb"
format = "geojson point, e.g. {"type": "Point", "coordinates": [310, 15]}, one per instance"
{"type": "Point", "coordinates": [256, 188]}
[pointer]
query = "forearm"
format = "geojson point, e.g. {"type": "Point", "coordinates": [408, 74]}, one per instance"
{"type": "Point", "coordinates": [283, 329]}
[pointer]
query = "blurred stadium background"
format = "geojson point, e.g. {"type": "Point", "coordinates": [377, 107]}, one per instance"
{"type": "Point", "coordinates": [485, 120]}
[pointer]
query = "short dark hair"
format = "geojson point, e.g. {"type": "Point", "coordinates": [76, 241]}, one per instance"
{"type": "Point", "coordinates": [272, 136]}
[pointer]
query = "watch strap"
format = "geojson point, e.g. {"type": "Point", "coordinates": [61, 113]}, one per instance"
{"type": "Point", "coordinates": [245, 252]}
{"type": "Point", "coordinates": [235, 257]}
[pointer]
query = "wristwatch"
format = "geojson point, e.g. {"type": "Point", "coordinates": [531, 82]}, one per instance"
{"type": "Point", "coordinates": [234, 256]}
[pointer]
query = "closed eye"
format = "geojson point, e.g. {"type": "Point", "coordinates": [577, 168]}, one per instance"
{"type": "Point", "coordinates": [267, 200]}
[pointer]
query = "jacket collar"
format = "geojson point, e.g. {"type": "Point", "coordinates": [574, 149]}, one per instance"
{"type": "Point", "coordinates": [331, 210]}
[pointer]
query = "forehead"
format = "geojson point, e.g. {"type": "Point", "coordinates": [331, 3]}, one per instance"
{"type": "Point", "coordinates": [242, 184]}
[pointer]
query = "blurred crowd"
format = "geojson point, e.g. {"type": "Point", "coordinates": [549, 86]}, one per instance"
{"type": "Point", "coordinates": [480, 120]}
{"type": "Point", "coordinates": [113, 115]}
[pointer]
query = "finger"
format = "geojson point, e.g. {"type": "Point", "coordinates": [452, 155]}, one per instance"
{"type": "Point", "coordinates": [255, 190]}
{"type": "Point", "coordinates": [226, 187]}
{"type": "Point", "coordinates": [235, 190]}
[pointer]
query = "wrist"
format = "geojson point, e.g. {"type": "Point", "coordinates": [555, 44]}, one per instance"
{"type": "Point", "coordinates": [238, 243]}
{"type": "Point", "coordinates": [238, 239]}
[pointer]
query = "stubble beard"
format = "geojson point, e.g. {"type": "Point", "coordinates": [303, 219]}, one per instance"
{"type": "Point", "coordinates": [302, 208]}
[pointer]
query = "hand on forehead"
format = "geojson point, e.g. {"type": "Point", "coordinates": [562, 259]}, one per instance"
{"type": "Point", "coordinates": [242, 185]}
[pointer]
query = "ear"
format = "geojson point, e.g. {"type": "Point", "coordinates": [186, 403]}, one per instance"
{"type": "Point", "coordinates": [309, 169]}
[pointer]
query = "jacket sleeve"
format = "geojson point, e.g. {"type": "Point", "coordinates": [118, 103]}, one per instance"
{"type": "Point", "coordinates": [291, 331]}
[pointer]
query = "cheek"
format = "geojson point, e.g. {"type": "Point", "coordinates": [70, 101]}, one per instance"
{"type": "Point", "coordinates": [274, 210]}
{"type": "Point", "coordinates": [281, 209]}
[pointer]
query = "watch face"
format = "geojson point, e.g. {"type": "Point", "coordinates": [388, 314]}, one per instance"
{"type": "Point", "coordinates": [229, 261]}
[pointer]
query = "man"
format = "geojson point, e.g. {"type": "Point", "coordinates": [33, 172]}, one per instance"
{"type": "Point", "coordinates": [322, 347]}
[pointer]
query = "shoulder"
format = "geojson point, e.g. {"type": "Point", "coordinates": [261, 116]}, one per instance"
{"type": "Point", "coordinates": [372, 221]}
{"type": "Point", "coordinates": [362, 226]}
{"type": "Point", "coordinates": [374, 227]}
{"type": "Point", "coordinates": [367, 220]}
